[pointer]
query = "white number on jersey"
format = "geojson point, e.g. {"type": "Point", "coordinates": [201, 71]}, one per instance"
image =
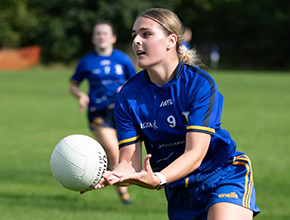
{"type": "Point", "coordinates": [171, 120]}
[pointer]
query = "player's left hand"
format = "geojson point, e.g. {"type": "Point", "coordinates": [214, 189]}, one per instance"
{"type": "Point", "coordinates": [145, 178]}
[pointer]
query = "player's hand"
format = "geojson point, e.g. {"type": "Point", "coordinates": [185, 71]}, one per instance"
{"type": "Point", "coordinates": [119, 88]}
{"type": "Point", "coordinates": [109, 178]}
{"type": "Point", "coordinates": [145, 178]}
{"type": "Point", "coordinates": [103, 182]}
{"type": "Point", "coordinates": [83, 102]}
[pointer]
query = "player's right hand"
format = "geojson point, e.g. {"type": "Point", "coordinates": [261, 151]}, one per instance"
{"type": "Point", "coordinates": [83, 102]}
{"type": "Point", "coordinates": [109, 178]}
{"type": "Point", "coordinates": [103, 182]}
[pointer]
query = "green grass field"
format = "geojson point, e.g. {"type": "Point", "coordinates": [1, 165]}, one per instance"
{"type": "Point", "coordinates": [37, 111]}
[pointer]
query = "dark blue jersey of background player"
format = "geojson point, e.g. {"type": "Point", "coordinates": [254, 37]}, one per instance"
{"type": "Point", "coordinates": [105, 74]}
{"type": "Point", "coordinates": [176, 109]}
{"type": "Point", "coordinates": [106, 70]}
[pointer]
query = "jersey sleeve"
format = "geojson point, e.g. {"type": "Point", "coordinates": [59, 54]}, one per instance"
{"type": "Point", "coordinates": [130, 68]}
{"type": "Point", "coordinates": [205, 108]}
{"type": "Point", "coordinates": [80, 73]}
{"type": "Point", "coordinates": [126, 125]}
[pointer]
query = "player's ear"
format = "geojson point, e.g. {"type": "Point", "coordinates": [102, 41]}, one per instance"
{"type": "Point", "coordinates": [171, 41]}
{"type": "Point", "coordinates": [114, 39]}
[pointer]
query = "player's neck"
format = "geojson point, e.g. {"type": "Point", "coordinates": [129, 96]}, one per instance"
{"type": "Point", "coordinates": [162, 73]}
{"type": "Point", "coordinates": [104, 51]}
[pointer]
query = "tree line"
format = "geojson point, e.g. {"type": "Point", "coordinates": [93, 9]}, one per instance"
{"type": "Point", "coordinates": [250, 34]}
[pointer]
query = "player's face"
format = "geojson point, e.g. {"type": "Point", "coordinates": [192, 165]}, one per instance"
{"type": "Point", "coordinates": [103, 36]}
{"type": "Point", "coordinates": [149, 42]}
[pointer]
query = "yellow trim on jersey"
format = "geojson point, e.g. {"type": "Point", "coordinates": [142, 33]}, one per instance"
{"type": "Point", "coordinates": [129, 140]}
{"type": "Point", "coordinates": [200, 128]}
{"type": "Point", "coordinates": [248, 183]}
{"type": "Point", "coordinates": [186, 182]}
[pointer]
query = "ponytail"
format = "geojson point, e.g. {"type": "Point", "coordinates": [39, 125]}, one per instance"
{"type": "Point", "coordinates": [189, 57]}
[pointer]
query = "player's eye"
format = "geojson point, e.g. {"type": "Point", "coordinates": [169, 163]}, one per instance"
{"type": "Point", "coordinates": [146, 34]}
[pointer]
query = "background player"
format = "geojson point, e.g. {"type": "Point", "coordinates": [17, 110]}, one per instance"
{"type": "Point", "coordinates": [106, 70]}
{"type": "Point", "coordinates": [187, 37]}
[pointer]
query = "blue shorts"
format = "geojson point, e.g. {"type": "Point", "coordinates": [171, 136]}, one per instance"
{"type": "Point", "coordinates": [232, 182]}
{"type": "Point", "coordinates": [102, 118]}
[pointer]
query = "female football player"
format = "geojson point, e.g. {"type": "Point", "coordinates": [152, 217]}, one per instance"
{"type": "Point", "coordinates": [175, 108]}
{"type": "Point", "coordinates": [106, 70]}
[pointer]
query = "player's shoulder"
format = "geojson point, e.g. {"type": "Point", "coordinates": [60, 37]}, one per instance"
{"type": "Point", "coordinates": [119, 54]}
{"type": "Point", "coordinates": [197, 75]}
{"type": "Point", "coordinates": [194, 71]}
{"type": "Point", "coordinates": [134, 85]}
{"type": "Point", "coordinates": [88, 56]}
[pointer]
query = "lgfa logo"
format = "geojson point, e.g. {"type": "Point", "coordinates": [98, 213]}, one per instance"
{"type": "Point", "coordinates": [166, 103]}
{"type": "Point", "coordinates": [148, 125]}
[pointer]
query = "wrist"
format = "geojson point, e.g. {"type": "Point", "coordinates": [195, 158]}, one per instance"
{"type": "Point", "coordinates": [162, 179]}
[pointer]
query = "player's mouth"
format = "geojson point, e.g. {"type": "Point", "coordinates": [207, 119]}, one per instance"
{"type": "Point", "coordinates": [140, 53]}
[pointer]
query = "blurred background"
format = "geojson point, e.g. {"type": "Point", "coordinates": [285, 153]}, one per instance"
{"type": "Point", "coordinates": [248, 34]}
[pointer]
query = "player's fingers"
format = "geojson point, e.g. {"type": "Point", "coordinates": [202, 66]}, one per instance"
{"type": "Point", "coordinates": [82, 192]}
{"type": "Point", "coordinates": [81, 107]}
{"type": "Point", "coordinates": [117, 175]}
{"type": "Point", "coordinates": [107, 174]}
{"type": "Point", "coordinates": [147, 165]}
{"type": "Point", "coordinates": [101, 184]}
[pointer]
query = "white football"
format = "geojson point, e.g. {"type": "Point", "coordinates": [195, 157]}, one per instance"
{"type": "Point", "coordinates": [78, 162]}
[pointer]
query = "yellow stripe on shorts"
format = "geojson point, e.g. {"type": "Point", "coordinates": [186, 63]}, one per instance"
{"type": "Point", "coordinates": [248, 180]}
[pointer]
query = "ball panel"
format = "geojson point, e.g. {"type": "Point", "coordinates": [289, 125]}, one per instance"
{"type": "Point", "coordinates": [66, 180]}
{"type": "Point", "coordinates": [70, 160]}
{"type": "Point", "coordinates": [67, 165]}
{"type": "Point", "coordinates": [82, 144]}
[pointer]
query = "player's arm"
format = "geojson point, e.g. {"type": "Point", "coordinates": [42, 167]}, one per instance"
{"type": "Point", "coordinates": [196, 147]}
{"type": "Point", "coordinates": [130, 162]}
{"type": "Point", "coordinates": [81, 96]}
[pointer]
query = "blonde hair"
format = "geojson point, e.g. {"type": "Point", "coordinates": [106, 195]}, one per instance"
{"type": "Point", "coordinates": [171, 24]}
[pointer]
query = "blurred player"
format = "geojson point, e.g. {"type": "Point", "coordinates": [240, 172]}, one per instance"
{"type": "Point", "coordinates": [214, 57]}
{"type": "Point", "coordinates": [106, 69]}
{"type": "Point", "coordinates": [187, 37]}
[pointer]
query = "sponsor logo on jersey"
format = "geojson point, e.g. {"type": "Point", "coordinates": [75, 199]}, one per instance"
{"type": "Point", "coordinates": [166, 103]}
{"type": "Point", "coordinates": [96, 71]}
{"type": "Point", "coordinates": [105, 62]}
{"type": "Point", "coordinates": [102, 99]}
{"type": "Point", "coordinates": [145, 125]}
{"type": "Point", "coordinates": [107, 82]}
{"type": "Point", "coordinates": [119, 69]}
{"type": "Point", "coordinates": [228, 195]}
{"type": "Point", "coordinates": [172, 144]}
{"type": "Point", "coordinates": [107, 69]}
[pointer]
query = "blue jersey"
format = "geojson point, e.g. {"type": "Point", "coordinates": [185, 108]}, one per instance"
{"type": "Point", "coordinates": [161, 116]}
{"type": "Point", "coordinates": [186, 44]}
{"type": "Point", "coordinates": [105, 74]}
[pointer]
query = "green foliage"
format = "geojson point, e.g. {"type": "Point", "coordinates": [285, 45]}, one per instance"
{"type": "Point", "coordinates": [17, 23]}
{"type": "Point", "coordinates": [249, 33]}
